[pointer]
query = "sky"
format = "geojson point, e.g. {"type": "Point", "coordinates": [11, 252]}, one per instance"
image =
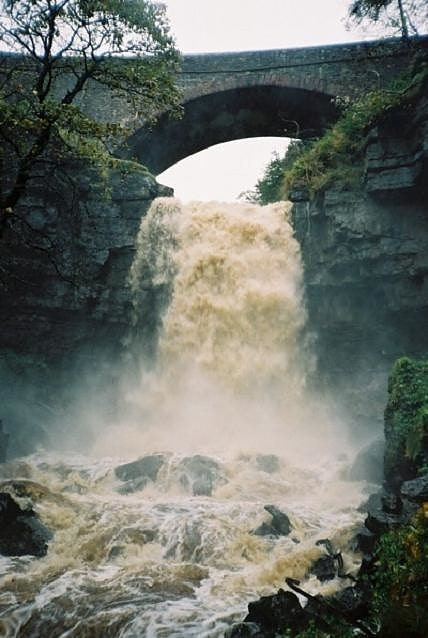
{"type": "Point", "coordinates": [226, 170]}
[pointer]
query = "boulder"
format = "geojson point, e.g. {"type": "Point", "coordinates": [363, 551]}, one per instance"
{"type": "Point", "coordinates": [21, 533]}
{"type": "Point", "coordinates": [416, 490]}
{"type": "Point", "coordinates": [279, 526]}
{"type": "Point", "coordinates": [265, 529]}
{"type": "Point", "coordinates": [146, 467]}
{"type": "Point", "coordinates": [200, 474]}
{"type": "Point", "coordinates": [202, 486]}
{"type": "Point", "coordinates": [324, 568]}
{"type": "Point", "coordinates": [280, 521]}
{"type": "Point", "coordinates": [373, 501]}
{"type": "Point", "coordinates": [134, 485]}
{"type": "Point", "coordinates": [278, 612]}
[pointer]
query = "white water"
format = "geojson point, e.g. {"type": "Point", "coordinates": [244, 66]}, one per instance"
{"type": "Point", "coordinates": [229, 384]}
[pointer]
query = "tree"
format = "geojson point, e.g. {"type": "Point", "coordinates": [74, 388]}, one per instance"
{"type": "Point", "coordinates": [53, 49]}
{"type": "Point", "coordinates": [269, 188]}
{"type": "Point", "coordinates": [402, 16]}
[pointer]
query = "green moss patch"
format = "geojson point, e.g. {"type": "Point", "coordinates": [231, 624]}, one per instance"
{"type": "Point", "coordinates": [406, 421]}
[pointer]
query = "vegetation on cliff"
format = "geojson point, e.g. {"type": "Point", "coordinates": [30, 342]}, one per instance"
{"type": "Point", "coordinates": [399, 589]}
{"type": "Point", "coordinates": [268, 188]}
{"type": "Point", "coordinates": [338, 156]}
{"type": "Point", "coordinates": [400, 585]}
{"type": "Point", "coordinates": [54, 49]}
{"type": "Point", "coordinates": [406, 421]}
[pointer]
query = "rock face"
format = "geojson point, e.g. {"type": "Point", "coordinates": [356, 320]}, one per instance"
{"type": "Point", "coordinates": [365, 255]}
{"type": "Point", "coordinates": [368, 463]}
{"type": "Point", "coordinates": [200, 474]}
{"type": "Point", "coordinates": [416, 490]}
{"type": "Point", "coordinates": [65, 300]}
{"type": "Point", "coordinates": [80, 289]}
{"type": "Point", "coordinates": [21, 532]}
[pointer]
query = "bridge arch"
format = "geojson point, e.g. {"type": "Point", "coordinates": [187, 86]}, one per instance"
{"type": "Point", "coordinates": [284, 92]}
{"type": "Point", "coordinates": [224, 116]}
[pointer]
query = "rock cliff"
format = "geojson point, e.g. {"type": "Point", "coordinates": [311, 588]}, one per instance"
{"type": "Point", "coordinates": [365, 253]}
{"type": "Point", "coordinates": [66, 307]}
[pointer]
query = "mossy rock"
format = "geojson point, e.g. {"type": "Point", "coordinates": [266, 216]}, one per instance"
{"type": "Point", "coordinates": [406, 421]}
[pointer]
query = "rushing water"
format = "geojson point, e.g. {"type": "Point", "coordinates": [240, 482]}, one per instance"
{"type": "Point", "coordinates": [228, 412]}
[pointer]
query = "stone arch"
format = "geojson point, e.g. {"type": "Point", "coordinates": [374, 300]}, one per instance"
{"type": "Point", "coordinates": [224, 116]}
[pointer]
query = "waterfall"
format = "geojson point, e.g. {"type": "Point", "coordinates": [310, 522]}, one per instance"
{"type": "Point", "coordinates": [221, 428]}
{"type": "Point", "coordinates": [231, 349]}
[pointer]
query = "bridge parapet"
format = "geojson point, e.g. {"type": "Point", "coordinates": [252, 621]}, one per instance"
{"type": "Point", "coordinates": [344, 70]}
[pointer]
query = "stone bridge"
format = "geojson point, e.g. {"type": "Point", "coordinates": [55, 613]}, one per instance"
{"type": "Point", "coordinates": [286, 92]}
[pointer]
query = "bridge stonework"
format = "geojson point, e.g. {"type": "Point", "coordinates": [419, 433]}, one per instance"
{"type": "Point", "coordinates": [287, 92]}
{"type": "Point", "coordinates": [343, 70]}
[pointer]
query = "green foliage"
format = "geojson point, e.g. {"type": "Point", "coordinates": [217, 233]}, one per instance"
{"type": "Point", "coordinates": [418, 434]}
{"type": "Point", "coordinates": [400, 587]}
{"type": "Point", "coordinates": [337, 156]}
{"type": "Point", "coordinates": [59, 48]}
{"type": "Point", "coordinates": [268, 189]}
{"type": "Point", "coordinates": [399, 16]}
{"type": "Point", "coordinates": [406, 417]}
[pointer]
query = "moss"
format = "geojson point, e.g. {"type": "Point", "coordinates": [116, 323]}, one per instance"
{"type": "Point", "coordinates": [406, 421]}
{"type": "Point", "coordinates": [129, 166]}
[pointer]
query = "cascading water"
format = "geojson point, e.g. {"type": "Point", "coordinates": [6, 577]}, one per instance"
{"type": "Point", "coordinates": [225, 425]}
{"type": "Point", "coordinates": [230, 359]}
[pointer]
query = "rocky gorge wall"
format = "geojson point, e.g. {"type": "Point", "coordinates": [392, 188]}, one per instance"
{"type": "Point", "coordinates": [365, 253]}
{"type": "Point", "coordinates": [65, 301]}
